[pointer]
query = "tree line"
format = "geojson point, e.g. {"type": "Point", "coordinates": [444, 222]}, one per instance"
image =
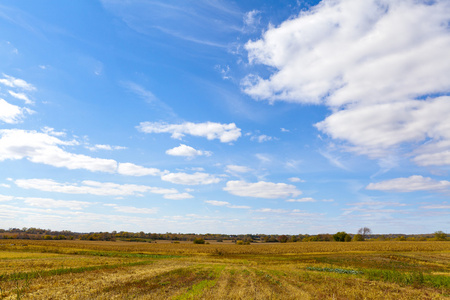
{"type": "Point", "coordinates": [363, 233]}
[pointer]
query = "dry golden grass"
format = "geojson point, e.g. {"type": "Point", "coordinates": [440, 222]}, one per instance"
{"type": "Point", "coordinates": [123, 270]}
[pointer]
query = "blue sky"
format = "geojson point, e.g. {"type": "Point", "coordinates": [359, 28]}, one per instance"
{"type": "Point", "coordinates": [225, 117]}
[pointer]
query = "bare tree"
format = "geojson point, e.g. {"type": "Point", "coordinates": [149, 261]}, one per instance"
{"type": "Point", "coordinates": [364, 231]}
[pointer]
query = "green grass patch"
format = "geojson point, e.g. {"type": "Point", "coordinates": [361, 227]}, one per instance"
{"type": "Point", "coordinates": [411, 278]}
{"type": "Point", "coordinates": [195, 291]}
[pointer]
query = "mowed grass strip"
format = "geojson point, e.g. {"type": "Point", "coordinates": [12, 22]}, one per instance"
{"type": "Point", "coordinates": [181, 283]}
{"type": "Point", "coordinates": [60, 271]}
{"type": "Point", "coordinates": [197, 290]}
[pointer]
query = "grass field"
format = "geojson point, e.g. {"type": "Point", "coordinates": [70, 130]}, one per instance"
{"type": "Point", "coordinates": [314, 270]}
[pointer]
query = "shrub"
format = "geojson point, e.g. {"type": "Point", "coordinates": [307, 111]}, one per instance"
{"type": "Point", "coordinates": [199, 241]}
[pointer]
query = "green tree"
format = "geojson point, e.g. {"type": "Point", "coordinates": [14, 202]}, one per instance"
{"type": "Point", "coordinates": [340, 236]}
{"type": "Point", "coordinates": [440, 236]}
{"type": "Point", "coordinates": [358, 238]}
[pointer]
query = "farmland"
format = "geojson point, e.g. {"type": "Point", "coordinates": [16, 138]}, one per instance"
{"type": "Point", "coordinates": [62, 269]}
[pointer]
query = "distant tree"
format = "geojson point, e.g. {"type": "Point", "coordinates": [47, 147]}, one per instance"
{"type": "Point", "coordinates": [440, 236]}
{"type": "Point", "coordinates": [364, 231]}
{"type": "Point", "coordinates": [283, 238]}
{"type": "Point", "coordinates": [358, 238]}
{"type": "Point", "coordinates": [272, 239]}
{"type": "Point", "coordinates": [311, 238]}
{"type": "Point", "coordinates": [341, 236]}
{"type": "Point", "coordinates": [325, 237]}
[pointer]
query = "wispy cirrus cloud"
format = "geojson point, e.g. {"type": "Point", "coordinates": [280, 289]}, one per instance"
{"type": "Point", "coordinates": [201, 22]}
{"type": "Point", "coordinates": [150, 98]}
{"type": "Point", "coordinates": [21, 96]}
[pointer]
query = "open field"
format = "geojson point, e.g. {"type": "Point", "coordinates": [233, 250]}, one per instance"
{"type": "Point", "coordinates": [315, 270]}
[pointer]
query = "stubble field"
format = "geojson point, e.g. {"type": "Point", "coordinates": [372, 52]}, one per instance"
{"type": "Point", "coordinates": [314, 270]}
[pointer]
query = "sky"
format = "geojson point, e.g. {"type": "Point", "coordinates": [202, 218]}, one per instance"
{"type": "Point", "coordinates": [211, 116]}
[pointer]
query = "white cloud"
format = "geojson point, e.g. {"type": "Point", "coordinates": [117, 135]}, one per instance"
{"type": "Point", "coordinates": [44, 148]}
{"type": "Point", "coordinates": [411, 184]}
{"type": "Point", "coordinates": [180, 196]}
{"type": "Point", "coordinates": [135, 210]}
{"type": "Point", "coordinates": [436, 206]}
{"type": "Point", "coordinates": [227, 204]}
{"type": "Point", "coordinates": [224, 132]}
{"type": "Point", "coordinates": [239, 206]}
{"type": "Point", "coordinates": [345, 48]}
{"type": "Point", "coordinates": [377, 64]}
{"type": "Point", "coordinates": [105, 147]}
{"type": "Point", "coordinates": [190, 179]}
{"type": "Point", "coordinates": [51, 131]}
{"type": "Point", "coordinates": [237, 169]}
{"type": "Point", "coordinates": [261, 138]}
{"type": "Point", "coordinates": [6, 198]}
{"type": "Point", "coordinates": [130, 169]}
{"type": "Point", "coordinates": [376, 204]}
{"type": "Point", "coordinates": [21, 96]}
{"type": "Point", "coordinates": [51, 203]}
{"type": "Point", "coordinates": [217, 203]}
{"type": "Point", "coordinates": [295, 179]}
{"type": "Point", "coordinates": [12, 114]}
{"type": "Point", "coordinates": [272, 210]}
{"type": "Point", "coordinates": [261, 189]}
{"type": "Point", "coordinates": [16, 83]}
{"type": "Point", "coordinates": [92, 188]}
{"type": "Point", "coordinates": [307, 199]}
{"type": "Point", "coordinates": [184, 150]}
{"type": "Point", "coordinates": [251, 18]}
{"type": "Point", "coordinates": [375, 129]}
